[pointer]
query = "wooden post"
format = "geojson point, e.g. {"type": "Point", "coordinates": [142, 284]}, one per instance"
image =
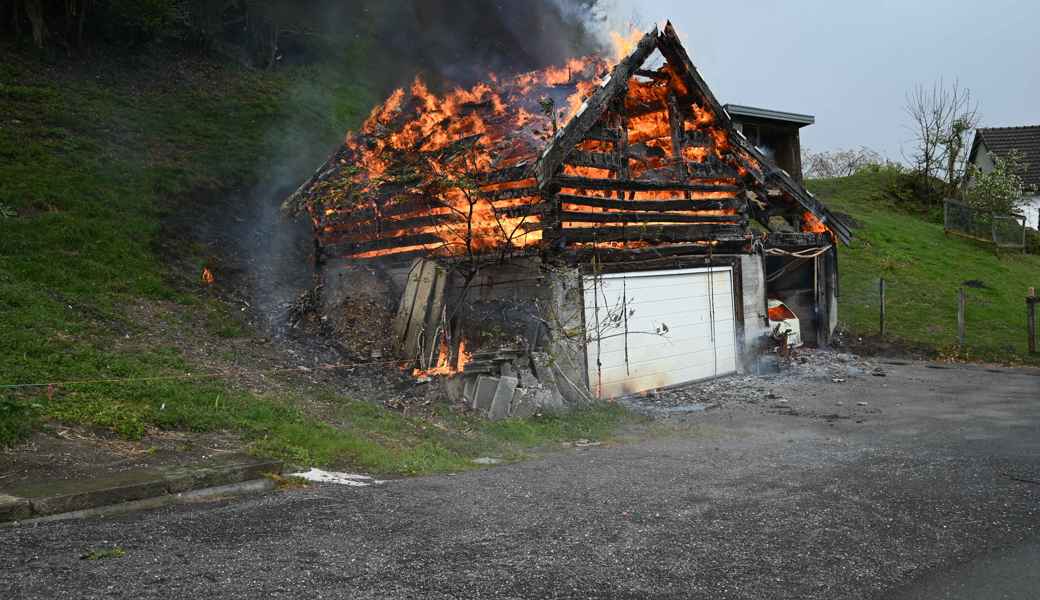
{"type": "Point", "coordinates": [1031, 301]}
{"type": "Point", "coordinates": [961, 301]}
{"type": "Point", "coordinates": [881, 290]}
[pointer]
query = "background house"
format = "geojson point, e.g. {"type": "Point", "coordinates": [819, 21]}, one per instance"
{"type": "Point", "coordinates": [992, 142]}
{"type": "Point", "coordinates": [774, 132]}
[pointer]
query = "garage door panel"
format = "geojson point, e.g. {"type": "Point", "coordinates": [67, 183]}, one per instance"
{"type": "Point", "coordinates": [690, 335]}
{"type": "Point", "coordinates": [668, 311]}
{"type": "Point", "coordinates": [697, 308]}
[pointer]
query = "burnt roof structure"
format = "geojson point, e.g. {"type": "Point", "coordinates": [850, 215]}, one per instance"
{"type": "Point", "coordinates": [1002, 140]}
{"type": "Point", "coordinates": [580, 157]}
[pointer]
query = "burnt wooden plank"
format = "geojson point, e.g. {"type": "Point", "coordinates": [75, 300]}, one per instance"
{"type": "Point", "coordinates": [636, 185]}
{"type": "Point", "coordinates": [796, 240]}
{"type": "Point", "coordinates": [593, 109]}
{"type": "Point", "coordinates": [675, 126]}
{"type": "Point", "coordinates": [629, 217]}
{"type": "Point", "coordinates": [600, 133]}
{"type": "Point", "coordinates": [657, 75]}
{"type": "Point", "coordinates": [582, 256]}
{"type": "Point", "coordinates": [713, 169]}
{"type": "Point", "coordinates": [516, 172]}
{"type": "Point", "coordinates": [366, 230]}
{"type": "Point", "coordinates": [341, 248]}
{"type": "Point", "coordinates": [599, 160]}
{"type": "Point", "coordinates": [656, 233]}
{"type": "Point", "coordinates": [509, 194]}
{"type": "Point", "coordinates": [654, 205]}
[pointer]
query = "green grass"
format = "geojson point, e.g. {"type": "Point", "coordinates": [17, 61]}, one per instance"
{"type": "Point", "coordinates": [91, 155]}
{"type": "Point", "coordinates": [923, 268]}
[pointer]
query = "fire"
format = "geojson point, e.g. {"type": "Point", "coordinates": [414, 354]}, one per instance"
{"type": "Point", "coordinates": [443, 366]}
{"type": "Point", "coordinates": [624, 44]}
{"type": "Point", "coordinates": [811, 224]}
{"type": "Point", "coordinates": [448, 173]}
{"type": "Point", "coordinates": [207, 276]}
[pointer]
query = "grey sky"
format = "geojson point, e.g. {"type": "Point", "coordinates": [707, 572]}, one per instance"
{"type": "Point", "coordinates": [851, 63]}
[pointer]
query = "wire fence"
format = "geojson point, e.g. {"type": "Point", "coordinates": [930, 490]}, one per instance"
{"type": "Point", "coordinates": [1002, 230]}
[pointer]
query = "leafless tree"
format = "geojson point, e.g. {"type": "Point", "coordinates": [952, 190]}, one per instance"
{"type": "Point", "coordinates": [940, 119]}
{"type": "Point", "coordinates": [838, 163]}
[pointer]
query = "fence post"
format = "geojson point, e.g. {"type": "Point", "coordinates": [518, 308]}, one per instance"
{"type": "Point", "coordinates": [881, 290]}
{"type": "Point", "coordinates": [1031, 301]}
{"type": "Point", "coordinates": [961, 301]}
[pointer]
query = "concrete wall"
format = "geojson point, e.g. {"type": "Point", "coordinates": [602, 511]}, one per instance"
{"type": "Point", "coordinates": [756, 321]}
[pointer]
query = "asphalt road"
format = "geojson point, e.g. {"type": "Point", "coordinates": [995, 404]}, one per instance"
{"type": "Point", "coordinates": [929, 491]}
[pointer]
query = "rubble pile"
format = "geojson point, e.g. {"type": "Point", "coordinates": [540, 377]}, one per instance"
{"type": "Point", "coordinates": [804, 366]}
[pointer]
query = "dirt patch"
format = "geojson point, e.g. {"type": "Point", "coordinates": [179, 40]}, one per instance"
{"type": "Point", "coordinates": [59, 453]}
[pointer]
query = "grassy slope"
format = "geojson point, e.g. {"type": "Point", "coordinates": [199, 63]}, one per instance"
{"type": "Point", "coordinates": [88, 155]}
{"type": "Point", "coordinates": [923, 269]}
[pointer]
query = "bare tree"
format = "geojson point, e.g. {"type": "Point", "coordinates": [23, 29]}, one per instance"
{"type": "Point", "coordinates": [941, 117]}
{"type": "Point", "coordinates": [838, 163]}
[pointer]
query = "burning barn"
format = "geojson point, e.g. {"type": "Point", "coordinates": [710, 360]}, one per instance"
{"type": "Point", "coordinates": [574, 233]}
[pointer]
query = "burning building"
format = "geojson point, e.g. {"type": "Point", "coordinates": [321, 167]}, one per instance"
{"type": "Point", "coordinates": [574, 233]}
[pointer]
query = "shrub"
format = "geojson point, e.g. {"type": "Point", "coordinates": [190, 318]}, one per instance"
{"type": "Point", "coordinates": [16, 421]}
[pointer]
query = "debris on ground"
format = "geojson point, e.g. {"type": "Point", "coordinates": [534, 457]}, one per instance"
{"type": "Point", "coordinates": [804, 366]}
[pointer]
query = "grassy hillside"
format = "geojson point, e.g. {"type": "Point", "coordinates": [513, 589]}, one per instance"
{"type": "Point", "coordinates": [923, 269]}
{"type": "Point", "coordinates": [93, 156]}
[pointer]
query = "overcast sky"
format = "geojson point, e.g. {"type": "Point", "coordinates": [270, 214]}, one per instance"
{"type": "Point", "coordinates": [851, 63]}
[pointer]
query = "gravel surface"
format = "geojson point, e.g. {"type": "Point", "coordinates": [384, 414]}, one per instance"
{"type": "Point", "coordinates": [855, 488]}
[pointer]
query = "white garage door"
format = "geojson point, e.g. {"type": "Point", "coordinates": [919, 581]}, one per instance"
{"type": "Point", "coordinates": [652, 329]}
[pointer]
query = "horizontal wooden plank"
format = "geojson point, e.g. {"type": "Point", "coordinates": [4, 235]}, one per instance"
{"type": "Point", "coordinates": [524, 192]}
{"type": "Point", "coordinates": [605, 256]}
{"type": "Point", "coordinates": [603, 134]}
{"type": "Point", "coordinates": [654, 205]}
{"type": "Point", "coordinates": [340, 248]}
{"type": "Point", "coordinates": [711, 169]}
{"type": "Point", "coordinates": [369, 230]}
{"type": "Point", "coordinates": [598, 160]}
{"type": "Point", "coordinates": [655, 233]}
{"type": "Point", "coordinates": [636, 185]}
{"type": "Point", "coordinates": [630, 217]}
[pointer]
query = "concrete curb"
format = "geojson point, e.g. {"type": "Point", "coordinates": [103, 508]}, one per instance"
{"type": "Point", "coordinates": [83, 498]}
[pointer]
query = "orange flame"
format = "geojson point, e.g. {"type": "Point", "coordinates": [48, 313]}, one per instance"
{"type": "Point", "coordinates": [443, 366]}
{"type": "Point", "coordinates": [810, 224]}
{"type": "Point", "coordinates": [624, 44]}
{"type": "Point", "coordinates": [207, 276]}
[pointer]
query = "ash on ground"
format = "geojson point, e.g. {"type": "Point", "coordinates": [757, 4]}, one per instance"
{"type": "Point", "coordinates": [800, 371]}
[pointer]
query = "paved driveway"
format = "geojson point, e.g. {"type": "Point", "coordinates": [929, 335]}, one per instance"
{"type": "Point", "coordinates": [933, 480]}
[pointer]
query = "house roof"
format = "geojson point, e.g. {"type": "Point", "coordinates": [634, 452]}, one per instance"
{"type": "Point", "coordinates": [1002, 140]}
{"type": "Point", "coordinates": [671, 48]}
{"type": "Point", "coordinates": [504, 139]}
{"type": "Point", "coordinates": [739, 110]}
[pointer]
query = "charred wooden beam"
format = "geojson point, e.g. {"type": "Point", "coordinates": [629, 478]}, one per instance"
{"type": "Point", "coordinates": [599, 160]}
{"type": "Point", "coordinates": [350, 248]}
{"type": "Point", "coordinates": [657, 233]}
{"type": "Point", "coordinates": [797, 240]}
{"type": "Point", "coordinates": [524, 192]}
{"type": "Point", "coordinates": [592, 110]}
{"type": "Point", "coordinates": [630, 217]}
{"type": "Point", "coordinates": [603, 134]}
{"type": "Point", "coordinates": [514, 173]}
{"type": "Point", "coordinates": [581, 256]}
{"type": "Point", "coordinates": [675, 125]}
{"type": "Point", "coordinates": [370, 230]}
{"type": "Point", "coordinates": [636, 185]}
{"type": "Point", "coordinates": [654, 205]}
{"type": "Point", "coordinates": [656, 75]}
{"type": "Point", "coordinates": [712, 169]}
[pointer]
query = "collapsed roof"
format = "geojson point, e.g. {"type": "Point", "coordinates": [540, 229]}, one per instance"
{"type": "Point", "coordinates": [579, 155]}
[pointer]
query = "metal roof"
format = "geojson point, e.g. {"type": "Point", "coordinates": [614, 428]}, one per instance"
{"type": "Point", "coordinates": [737, 110]}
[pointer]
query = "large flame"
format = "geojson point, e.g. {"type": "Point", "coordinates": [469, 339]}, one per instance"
{"type": "Point", "coordinates": [448, 173]}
